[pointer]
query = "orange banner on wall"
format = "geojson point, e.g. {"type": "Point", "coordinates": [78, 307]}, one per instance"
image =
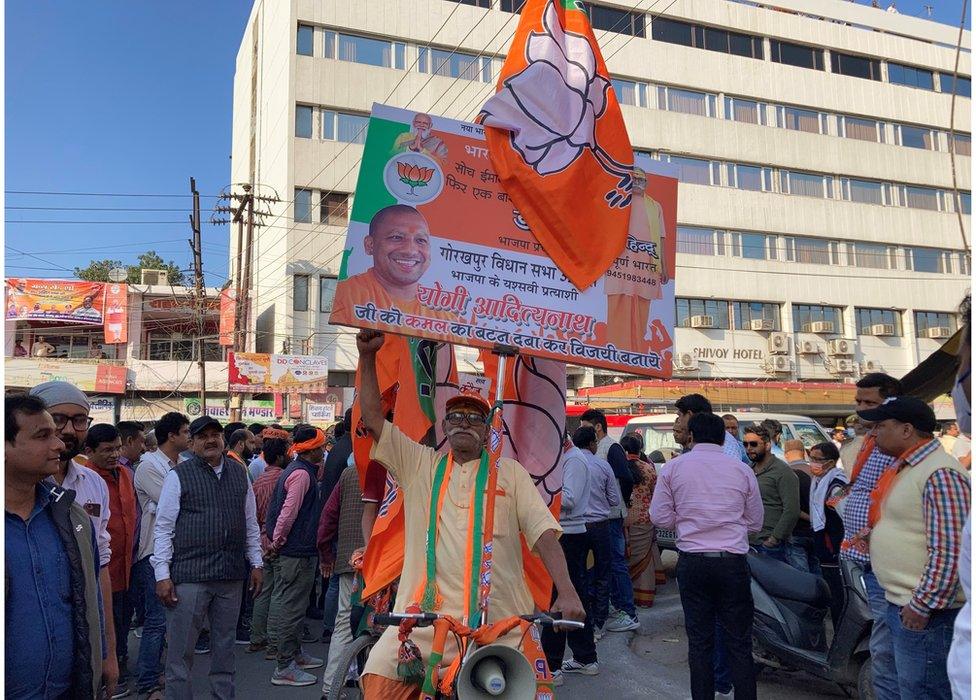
{"type": "Point", "coordinates": [55, 300]}
{"type": "Point", "coordinates": [228, 314]}
{"type": "Point", "coordinates": [116, 313]}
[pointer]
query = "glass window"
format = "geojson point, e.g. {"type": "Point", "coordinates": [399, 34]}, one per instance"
{"type": "Point", "coordinates": [965, 264]}
{"type": "Point", "coordinates": [914, 137]}
{"type": "Point", "coordinates": [453, 65]}
{"type": "Point", "coordinates": [963, 144]}
{"type": "Point", "coordinates": [752, 246]}
{"type": "Point", "coordinates": [911, 76]}
{"type": "Point", "coordinates": [809, 251]}
{"type": "Point", "coordinates": [806, 314]}
{"type": "Point", "coordinates": [330, 42]}
{"type": "Point", "coordinates": [474, 3]}
{"type": "Point", "coordinates": [692, 170]}
{"type": "Point", "coordinates": [745, 45]}
{"type": "Point", "coordinates": [305, 40]}
{"type": "Point", "coordinates": [744, 312]}
{"type": "Point", "coordinates": [871, 255]}
{"type": "Point", "coordinates": [327, 287]}
{"type": "Point", "coordinates": [672, 31]}
{"type": "Point", "coordinates": [611, 19]}
{"type": "Point", "coordinates": [963, 84]}
{"type": "Point", "coordinates": [328, 124]}
{"type": "Point", "coordinates": [300, 292]}
{"type": "Point", "coordinates": [334, 209]}
{"type": "Point", "coordinates": [626, 91]}
{"type": "Point", "coordinates": [360, 49]}
{"type": "Point", "coordinates": [303, 206]}
{"type": "Point", "coordinates": [399, 55]}
{"type": "Point", "coordinates": [868, 318]}
{"type": "Point", "coordinates": [800, 119]}
{"type": "Point", "coordinates": [514, 6]}
{"type": "Point", "coordinates": [924, 320]}
{"type": "Point", "coordinates": [805, 184]}
{"type": "Point", "coordinates": [966, 202]}
{"type": "Point", "coordinates": [796, 54]}
{"type": "Point", "coordinates": [422, 59]}
{"type": "Point", "coordinates": [866, 191]}
{"type": "Point", "coordinates": [861, 129]}
{"type": "Point", "coordinates": [745, 177]}
{"type": "Point", "coordinates": [922, 198]}
{"type": "Point", "coordinates": [855, 66]}
{"type": "Point", "coordinates": [741, 110]}
{"type": "Point", "coordinates": [303, 121]}
{"type": "Point", "coordinates": [697, 241]}
{"type": "Point", "coordinates": [351, 128]}
{"type": "Point", "coordinates": [686, 101]}
{"type": "Point", "coordinates": [717, 309]}
{"type": "Point", "coordinates": [486, 72]}
{"type": "Point", "coordinates": [927, 260]}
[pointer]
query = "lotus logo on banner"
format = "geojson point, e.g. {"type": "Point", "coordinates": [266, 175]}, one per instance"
{"type": "Point", "coordinates": [557, 139]}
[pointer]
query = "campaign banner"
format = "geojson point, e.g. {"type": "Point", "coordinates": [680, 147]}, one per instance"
{"type": "Point", "coordinates": [116, 313]}
{"type": "Point", "coordinates": [322, 415]}
{"type": "Point", "coordinates": [219, 408]}
{"type": "Point", "coordinates": [436, 249]}
{"type": "Point", "coordinates": [29, 372]}
{"type": "Point", "coordinates": [228, 314]}
{"type": "Point", "coordinates": [55, 300]}
{"type": "Point", "coordinates": [255, 372]}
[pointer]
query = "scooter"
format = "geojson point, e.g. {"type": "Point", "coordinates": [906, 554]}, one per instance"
{"type": "Point", "coordinates": [789, 624]}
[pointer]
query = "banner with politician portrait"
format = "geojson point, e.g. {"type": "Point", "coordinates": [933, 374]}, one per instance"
{"type": "Point", "coordinates": [436, 249]}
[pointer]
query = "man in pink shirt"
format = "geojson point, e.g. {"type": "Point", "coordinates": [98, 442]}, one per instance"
{"type": "Point", "coordinates": [712, 501]}
{"type": "Point", "coordinates": [292, 526]}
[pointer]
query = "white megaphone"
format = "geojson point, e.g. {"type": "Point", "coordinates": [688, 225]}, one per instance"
{"type": "Point", "coordinates": [496, 671]}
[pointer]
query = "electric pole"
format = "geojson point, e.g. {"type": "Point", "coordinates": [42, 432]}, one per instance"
{"type": "Point", "coordinates": [200, 291]}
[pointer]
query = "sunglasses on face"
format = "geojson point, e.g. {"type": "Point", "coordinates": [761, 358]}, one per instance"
{"type": "Point", "coordinates": [458, 417]}
{"type": "Point", "coordinates": [78, 422]}
{"type": "Point", "coordinates": [751, 443]}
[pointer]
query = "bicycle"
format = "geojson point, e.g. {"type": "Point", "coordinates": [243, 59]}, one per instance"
{"type": "Point", "coordinates": [345, 681]}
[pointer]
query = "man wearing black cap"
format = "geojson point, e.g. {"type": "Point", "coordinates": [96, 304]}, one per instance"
{"type": "Point", "coordinates": [206, 537]}
{"type": "Point", "coordinates": [917, 516]}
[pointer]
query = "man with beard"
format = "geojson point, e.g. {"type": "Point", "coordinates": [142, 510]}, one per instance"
{"type": "Point", "coordinates": [241, 447]}
{"type": "Point", "coordinates": [780, 490]}
{"type": "Point", "coordinates": [441, 495]}
{"type": "Point", "coordinates": [69, 409]}
{"type": "Point", "coordinates": [420, 139]}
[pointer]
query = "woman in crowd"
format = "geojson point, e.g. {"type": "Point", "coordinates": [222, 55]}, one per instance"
{"type": "Point", "coordinates": [829, 482]}
{"type": "Point", "coordinates": [644, 559]}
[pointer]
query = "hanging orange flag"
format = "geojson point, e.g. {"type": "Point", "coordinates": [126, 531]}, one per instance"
{"type": "Point", "coordinates": [557, 140]}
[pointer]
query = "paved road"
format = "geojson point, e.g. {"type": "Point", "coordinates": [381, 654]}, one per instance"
{"type": "Point", "coordinates": [651, 663]}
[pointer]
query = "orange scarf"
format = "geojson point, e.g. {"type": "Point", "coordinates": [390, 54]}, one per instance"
{"type": "Point", "coordinates": [887, 481]}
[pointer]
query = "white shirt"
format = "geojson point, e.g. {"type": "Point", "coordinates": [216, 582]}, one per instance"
{"type": "Point", "coordinates": [91, 493]}
{"type": "Point", "coordinates": [150, 474]}
{"type": "Point", "coordinates": [960, 653]}
{"type": "Point", "coordinates": [168, 510]}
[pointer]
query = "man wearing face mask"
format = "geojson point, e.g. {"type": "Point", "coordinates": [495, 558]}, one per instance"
{"type": "Point", "coordinates": [441, 494]}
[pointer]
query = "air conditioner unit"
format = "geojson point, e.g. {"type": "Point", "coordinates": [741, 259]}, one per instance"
{"type": "Point", "coordinates": [938, 332]}
{"type": "Point", "coordinates": [685, 361]}
{"type": "Point", "coordinates": [883, 329]}
{"type": "Point", "coordinates": [702, 321]}
{"type": "Point", "coordinates": [779, 343]}
{"type": "Point", "coordinates": [839, 347]}
{"type": "Point", "coordinates": [778, 364]}
{"type": "Point", "coordinates": [841, 365]}
{"type": "Point", "coordinates": [155, 277]}
{"type": "Point", "coordinates": [819, 327]}
{"type": "Point", "coordinates": [761, 324]}
{"type": "Point", "coordinates": [871, 366]}
{"type": "Point", "coordinates": [807, 347]}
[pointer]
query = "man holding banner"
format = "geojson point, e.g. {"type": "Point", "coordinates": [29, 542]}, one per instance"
{"type": "Point", "coordinates": [440, 570]}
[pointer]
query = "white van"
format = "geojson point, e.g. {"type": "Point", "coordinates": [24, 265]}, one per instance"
{"type": "Point", "coordinates": [656, 430]}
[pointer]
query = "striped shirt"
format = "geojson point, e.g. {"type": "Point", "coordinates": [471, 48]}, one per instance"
{"type": "Point", "coordinates": [855, 512]}
{"type": "Point", "coordinates": [945, 506]}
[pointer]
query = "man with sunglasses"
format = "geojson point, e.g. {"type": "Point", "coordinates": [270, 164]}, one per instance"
{"type": "Point", "coordinates": [780, 491]}
{"type": "Point", "coordinates": [69, 408]}
{"type": "Point", "coordinates": [442, 494]}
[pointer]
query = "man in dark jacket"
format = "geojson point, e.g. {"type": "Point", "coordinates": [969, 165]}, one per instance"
{"type": "Point", "coordinates": [52, 588]}
{"type": "Point", "coordinates": [291, 525]}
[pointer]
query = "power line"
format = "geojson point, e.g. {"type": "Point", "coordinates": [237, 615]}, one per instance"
{"type": "Point", "coordinates": [103, 194]}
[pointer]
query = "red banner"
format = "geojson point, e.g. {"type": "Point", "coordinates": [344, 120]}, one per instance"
{"type": "Point", "coordinates": [228, 312]}
{"type": "Point", "coordinates": [110, 379]}
{"type": "Point", "coordinates": [116, 313]}
{"type": "Point", "coordinates": [55, 300]}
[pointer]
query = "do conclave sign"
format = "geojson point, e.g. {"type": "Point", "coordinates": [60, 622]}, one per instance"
{"type": "Point", "coordinates": [436, 249]}
{"type": "Point", "coordinates": [254, 372]}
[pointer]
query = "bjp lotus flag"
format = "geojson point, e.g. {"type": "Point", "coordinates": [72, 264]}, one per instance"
{"type": "Point", "coordinates": [557, 140]}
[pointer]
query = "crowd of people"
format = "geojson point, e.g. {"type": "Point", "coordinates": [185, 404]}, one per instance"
{"type": "Point", "coordinates": [221, 535]}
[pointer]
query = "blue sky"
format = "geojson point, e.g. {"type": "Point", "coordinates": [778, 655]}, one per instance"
{"type": "Point", "coordinates": [132, 98]}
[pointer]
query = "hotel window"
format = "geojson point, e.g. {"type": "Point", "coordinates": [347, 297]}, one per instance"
{"type": "Point", "coordinates": [966, 202]}
{"type": "Point", "coordinates": [686, 308]}
{"type": "Point", "coordinates": [801, 119]}
{"type": "Point", "coordinates": [334, 209]}
{"type": "Point", "coordinates": [306, 36]}
{"type": "Point", "coordinates": [861, 129]}
{"type": "Point", "coordinates": [753, 246]}
{"type": "Point", "coordinates": [963, 144]}
{"type": "Point", "coordinates": [812, 251]}
{"type": "Point", "coordinates": [916, 137]}
{"type": "Point", "coordinates": [806, 184]}
{"type": "Point", "coordinates": [454, 64]}
{"type": "Point", "coordinates": [744, 312]}
{"type": "Point", "coordinates": [694, 171]}
{"type": "Point", "coordinates": [928, 260]}
{"type": "Point", "coordinates": [921, 197]}
{"type": "Point", "coordinates": [303, 206]}
{"type": "Point", "coordinates": [611, 19]}
{"type": "Point", "coordinates": [300, 292]}
{"type": "Point", "coordinates": [734, 43]}
{"type": "Point", "coordinates": [303, 121]}
{"type": "Point", "coordinates": [924, 320]}
{"type": "Point", "coordinates": [630, 93]}
{"type": "Point", "coordinates": [864, 191]}
{"type": "Point", "coordinates": [796, 54]}
{"type": "Point", "coordinates": [749, 177]}
{"type": "Point", "coordinates": [963, 84]}
{"type": "Point", "coordinates": [855, 66]}
{"type": "Point", "coordinates": [867, 319]}
{"type": "Point", "coordinates": [686, 101]}
{"type": "Point", "coordinates": [873, 256]}
{"type": "Point", "coordinates": [911, 76]}
{"type": "Point", "coordinates": [345, 127]}
{"type": "Point", "coordinates": [327, 288]}
{"type": "Point", "coordinates": [674, 32]}
{"type": "Point", "coordinates": [359, 49]}
{"type": "Point", "coordinates": [700, 241]}
{"type": "Point", "coordinates": [804, 315]}
{"type": "Point", "coordinates": [738, 109]}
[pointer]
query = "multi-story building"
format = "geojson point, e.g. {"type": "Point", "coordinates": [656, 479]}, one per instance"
{"type": "Point", "coordinates": [824, 206]}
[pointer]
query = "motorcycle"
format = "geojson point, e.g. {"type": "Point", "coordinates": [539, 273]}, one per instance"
{"type": "Point", "coordinates": [789, 624]}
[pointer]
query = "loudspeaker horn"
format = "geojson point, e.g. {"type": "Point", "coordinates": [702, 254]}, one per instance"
{"type": "Point", "coordinates": [496, 671]}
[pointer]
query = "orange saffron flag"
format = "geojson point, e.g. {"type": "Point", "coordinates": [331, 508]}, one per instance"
{"type": "Point", "coordinates": [557, 140]}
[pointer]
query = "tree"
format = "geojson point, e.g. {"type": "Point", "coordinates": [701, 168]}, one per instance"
{"type": "Point", "coordinates": [97, 270]}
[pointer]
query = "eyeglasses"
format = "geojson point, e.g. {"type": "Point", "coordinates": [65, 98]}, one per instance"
{"type": "Point", "coordinates": [751, 443]}
{"type": "Point", "coordinates": [78, 422]}
{"type": "Point", "coordinates": [457, 417]}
